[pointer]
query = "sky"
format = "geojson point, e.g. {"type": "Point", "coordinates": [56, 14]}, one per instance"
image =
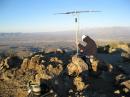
{"type": "Point", "coordinates": [39, 15]}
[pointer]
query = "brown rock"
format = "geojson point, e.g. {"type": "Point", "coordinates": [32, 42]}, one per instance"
{"type": "Point", "coordinates": [80, 85]}
{"type": "Point", "coordinates": [54, 71]}
{"type": "Point", "coordinates": [126, 84]}
{"type": "Point", "coordinates": [55, 59]}
{"type": "Point", "coordinates": [57, 70]}
{"type": "Point", "coordinates": [95, 64]}
{"type": "Point", "coordinates": [76, 66]}
{"type": "Point", "coordinates": [125, 90]}
{"type": "Point", "coordinates": [24, 65]}
{"type": "Point", "coordinates": [35, 60]}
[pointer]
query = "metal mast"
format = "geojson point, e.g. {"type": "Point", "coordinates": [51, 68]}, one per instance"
{"type": "Point", "coordinates": [76, 17]}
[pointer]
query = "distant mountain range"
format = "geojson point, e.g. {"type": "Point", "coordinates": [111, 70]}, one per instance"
{"type": "Point", "coordinates": [109, 33]}
{"type": "Point", "coordinates": [102, 33]}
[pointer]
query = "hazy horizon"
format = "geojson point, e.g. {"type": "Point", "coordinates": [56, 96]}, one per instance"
{"type": "Point", "coordinates": [72, 30]}
{"type": "Point", "coordinates": [107, 33]}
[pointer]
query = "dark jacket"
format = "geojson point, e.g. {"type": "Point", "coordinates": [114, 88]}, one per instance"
{"type": "Point", "coordinates": [90, 48]}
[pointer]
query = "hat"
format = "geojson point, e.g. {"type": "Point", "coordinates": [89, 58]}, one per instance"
{"type": "Point", "coordinates": [84, 36]}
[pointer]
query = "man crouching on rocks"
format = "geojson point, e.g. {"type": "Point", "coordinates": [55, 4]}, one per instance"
{"type": "Point", "coordinates": [88, 52]}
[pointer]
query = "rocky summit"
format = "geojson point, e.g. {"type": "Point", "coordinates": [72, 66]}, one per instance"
{"type": "Point", "coordinates": [61, 74]}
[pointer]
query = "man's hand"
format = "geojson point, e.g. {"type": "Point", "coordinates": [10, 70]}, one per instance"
{"type": "Point", "coordinates": [81, 47]}
{"type": "Point", "coordinates": [81, 51]}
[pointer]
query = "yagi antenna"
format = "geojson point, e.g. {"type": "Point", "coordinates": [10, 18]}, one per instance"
{"type": "Point", "coordinates": [76, 18]}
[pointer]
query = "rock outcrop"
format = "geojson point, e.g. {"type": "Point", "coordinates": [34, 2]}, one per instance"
{"type": "Point", "coordinates": [64, 74]}
{"type": "Point", "coordinates": [77, 66]}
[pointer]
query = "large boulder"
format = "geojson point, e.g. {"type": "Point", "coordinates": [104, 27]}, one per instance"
{"type": "Point", "coordinates": [77, 66]}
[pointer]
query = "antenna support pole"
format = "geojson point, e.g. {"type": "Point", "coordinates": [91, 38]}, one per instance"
{"type": "Point", "coordinates": [77, 32]}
